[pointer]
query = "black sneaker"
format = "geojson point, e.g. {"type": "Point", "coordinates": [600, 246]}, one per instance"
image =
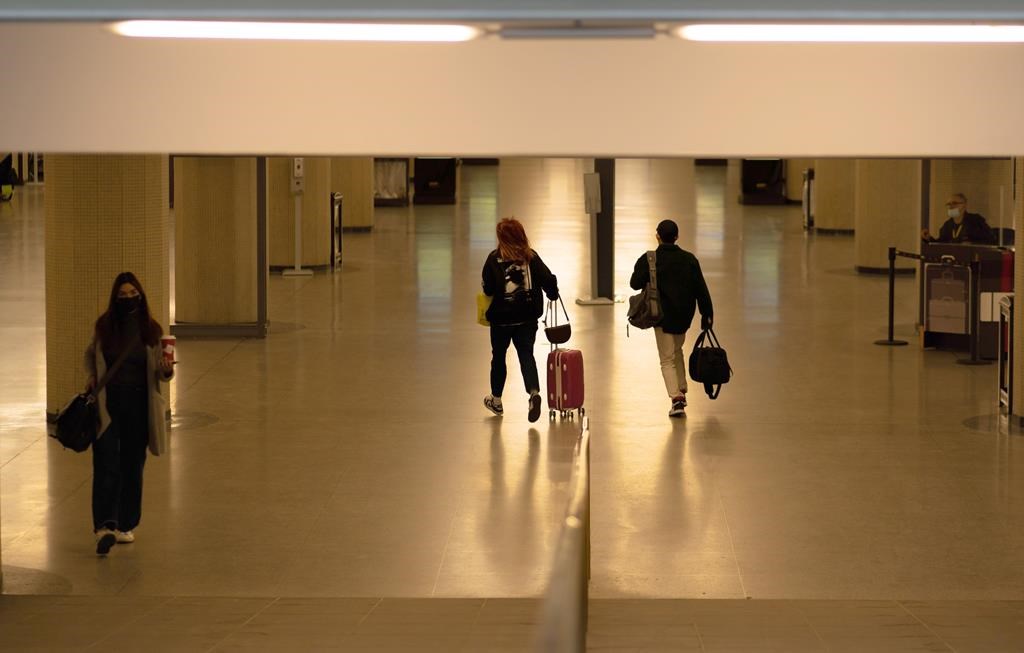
{"type": "Point", "coordinates": [493, 406]}
{"type": "Point", "coordinates": [678, 409]}
{"type": "Point", "coordinates": [105, 540]}
{"type": "Point", "coordinates": [534, 408]}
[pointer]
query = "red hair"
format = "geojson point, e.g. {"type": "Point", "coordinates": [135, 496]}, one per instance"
{"type": "Point", "coordinates": [513, 245]}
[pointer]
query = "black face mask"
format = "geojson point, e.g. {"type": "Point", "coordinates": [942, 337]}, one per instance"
{"type": "Point", "coordinates": [126, 306]}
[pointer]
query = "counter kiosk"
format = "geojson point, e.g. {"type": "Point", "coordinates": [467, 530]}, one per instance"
{"type": "Point", "coordinates": [945, 293]}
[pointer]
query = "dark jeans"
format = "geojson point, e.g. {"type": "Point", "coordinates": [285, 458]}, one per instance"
{"type": "Point", "coordinates": [118, 458]}
{"type": "Point", "coordinates": [523, 336]}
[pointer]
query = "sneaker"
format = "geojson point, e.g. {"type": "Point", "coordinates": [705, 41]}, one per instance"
{"type": "Point", "coordinates": [493, 405]}
{"type": "Point", "coordinates": [680, 399]}
{"type": "Point", "coordinates": [678, 409]}
{"type": "Point", "coordinates": [124, 537]}
{"type": "Point", "coordinates": [534, 408]}
{"type": "Point", "coordinates": [105, 540]}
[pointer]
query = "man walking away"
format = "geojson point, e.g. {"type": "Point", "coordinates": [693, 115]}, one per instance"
{"type": "Point", "coordinates": [682, 289]}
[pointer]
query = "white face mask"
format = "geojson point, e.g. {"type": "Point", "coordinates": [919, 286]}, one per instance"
{"type": "Point", "coordinates": [953, 213]}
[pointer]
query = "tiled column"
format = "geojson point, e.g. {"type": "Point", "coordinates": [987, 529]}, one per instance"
{"type": "Point", "coordinates": [795, 178]}
{"type": "Point", "coordinates": [834, 195]}
{"type": "Point", "coordinates": [887, 212]}
{"type": "Point", "coordinates": [353, 178]}
{"type": "Point", "coordinates": [215, 250]}
{"type": "Point", "coordinates": [105, 214]}
{"type": "Point", "coordinates": [316, 212]}
{"type": "Point", "coordinates": [987, 183]}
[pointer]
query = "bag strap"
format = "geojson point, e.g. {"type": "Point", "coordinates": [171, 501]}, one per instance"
{"type": "Point", "coordinates": [652, 263]}
{"type": "Point", "coordinates": [713, 390]}
{"type": "Point", "coordinates": [112, 370]}
{"type": "Point", "coordinates": [552, 312]}
{"type": "Point", "coordinates": [700, 340]}
{"type": "Point", "coordinates": [712, 338]}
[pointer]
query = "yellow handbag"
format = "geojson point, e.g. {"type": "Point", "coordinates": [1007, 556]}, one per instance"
{"type": "Point", "coordinates": [483, 302]}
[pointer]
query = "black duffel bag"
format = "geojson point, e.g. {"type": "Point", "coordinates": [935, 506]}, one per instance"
{"type": "Point", "coordinates": [709, 364]}
{"type": "Point", "coordinates": [78, 422]}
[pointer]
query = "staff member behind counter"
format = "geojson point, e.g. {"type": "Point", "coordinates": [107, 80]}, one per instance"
{"type": "Point", "coordinates": [961, 227]}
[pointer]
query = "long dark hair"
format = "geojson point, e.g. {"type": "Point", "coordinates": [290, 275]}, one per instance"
{"type": "Point", "coordinates": [108, 327]}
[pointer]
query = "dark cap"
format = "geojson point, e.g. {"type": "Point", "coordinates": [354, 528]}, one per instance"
{"type": "Point", "coordinates": [668, 231]}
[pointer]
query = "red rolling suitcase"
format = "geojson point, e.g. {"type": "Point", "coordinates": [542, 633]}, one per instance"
{"type": "Point", "coordinates": [565, 382]}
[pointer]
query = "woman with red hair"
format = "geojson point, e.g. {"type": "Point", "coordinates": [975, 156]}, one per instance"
{"type": "Point", "coordinates": [513, 277]}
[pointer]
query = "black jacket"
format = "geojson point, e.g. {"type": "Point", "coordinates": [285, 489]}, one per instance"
{"type": "Point", "coordinates": [515, 307]}
{"type": "Point", "coordinates": [974, 230]}
{"type": "Point", "coordinates": [681, 286]}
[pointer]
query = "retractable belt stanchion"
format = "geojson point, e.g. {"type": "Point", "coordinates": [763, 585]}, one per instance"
{"type": "Point", "coordinates": [890, 342]}
{"type": "Point", "coordinates": [975, 317]}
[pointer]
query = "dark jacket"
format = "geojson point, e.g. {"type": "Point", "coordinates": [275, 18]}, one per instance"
{"type": "Point", "coordinates": [681, 286]}
{"type": "Point", "coordinates": [974, 230]}
{"type": "Point", "coordinates": [512, 305]}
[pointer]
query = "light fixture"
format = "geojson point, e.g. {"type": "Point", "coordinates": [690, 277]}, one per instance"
{"type": "Point", "coordinates": [852, 33]}
{"type": "Point", "coordinates": [284, 31]}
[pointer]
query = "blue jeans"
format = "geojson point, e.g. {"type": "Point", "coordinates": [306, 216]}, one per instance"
{"type": "Point", "coordinates": [523, 336]}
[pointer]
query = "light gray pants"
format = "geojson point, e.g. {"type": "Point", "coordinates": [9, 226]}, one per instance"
{"type": "Point", "coordinates": [673, 365]}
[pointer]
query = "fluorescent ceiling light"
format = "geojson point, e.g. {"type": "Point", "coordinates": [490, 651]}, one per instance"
{"type": "Point", "coordinates": [838, 33]}
{"type": "Point", "coordinates": [188, 29]}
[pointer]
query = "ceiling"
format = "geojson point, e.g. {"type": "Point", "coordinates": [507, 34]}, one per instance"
{"type": "Point", "coordinates": [76, 87]}
{"type": "Point", "coordinates": [506, 10]}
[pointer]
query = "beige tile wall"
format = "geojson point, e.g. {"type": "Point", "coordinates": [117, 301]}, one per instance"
{"type": "Point", "coordinates": [887, 210]}
{"type": "Point", "coordinates": [835, 193]}
{"type": "Point", "coordinates": [795, 178]}
{"type": "Point", "coordinates": [316, 215]}
{"type": "Point", "coordinates": [353, 177]}
{"type": "Point", "coordinates": [215, 246]}
{"type": "Point", "coordinates": [105, 214]}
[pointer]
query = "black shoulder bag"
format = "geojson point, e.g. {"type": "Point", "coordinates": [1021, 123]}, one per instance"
{"type": "Point", "coordinates": [78, 422]}
{"type": "Point", "coordinates": [709, 364]}
{"type": "Point", "coordinates": [557, 334]}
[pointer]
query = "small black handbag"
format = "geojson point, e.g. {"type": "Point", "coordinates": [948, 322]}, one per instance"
{"type": "Point", "coordinates": [79, 421]}
{"type": "Point", "coordinates": [709, 364]}
{"type": "Point", "coordinates": [557, 334]}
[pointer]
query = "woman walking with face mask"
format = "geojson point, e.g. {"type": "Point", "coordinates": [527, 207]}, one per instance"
{"type": "Point", "coordinates": [131, 407]}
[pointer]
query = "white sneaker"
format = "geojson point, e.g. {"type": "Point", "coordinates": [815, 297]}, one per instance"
{"type": "Point", "coordinates": [124, 537]}
{"type": "Point", "coordinates": [105, 540]}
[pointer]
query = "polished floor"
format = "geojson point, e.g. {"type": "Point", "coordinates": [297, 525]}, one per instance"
{"type": "Point", "coordinates": [348, 454]}
{"type": "Point", "coordinates": [369, 625]}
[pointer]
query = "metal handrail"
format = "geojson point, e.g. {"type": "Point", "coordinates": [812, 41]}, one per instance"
{"type": "Point", "coordinates": [563, 626]}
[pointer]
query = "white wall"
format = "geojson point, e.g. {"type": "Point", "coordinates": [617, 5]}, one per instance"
{"type": "Point", "coordinates": [79, 88]}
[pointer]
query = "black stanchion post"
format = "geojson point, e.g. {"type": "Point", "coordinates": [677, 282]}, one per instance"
{"type": "Point", "coordinates": [975, 318]}
{"type": "Point", "coordinates": [890, 341]}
